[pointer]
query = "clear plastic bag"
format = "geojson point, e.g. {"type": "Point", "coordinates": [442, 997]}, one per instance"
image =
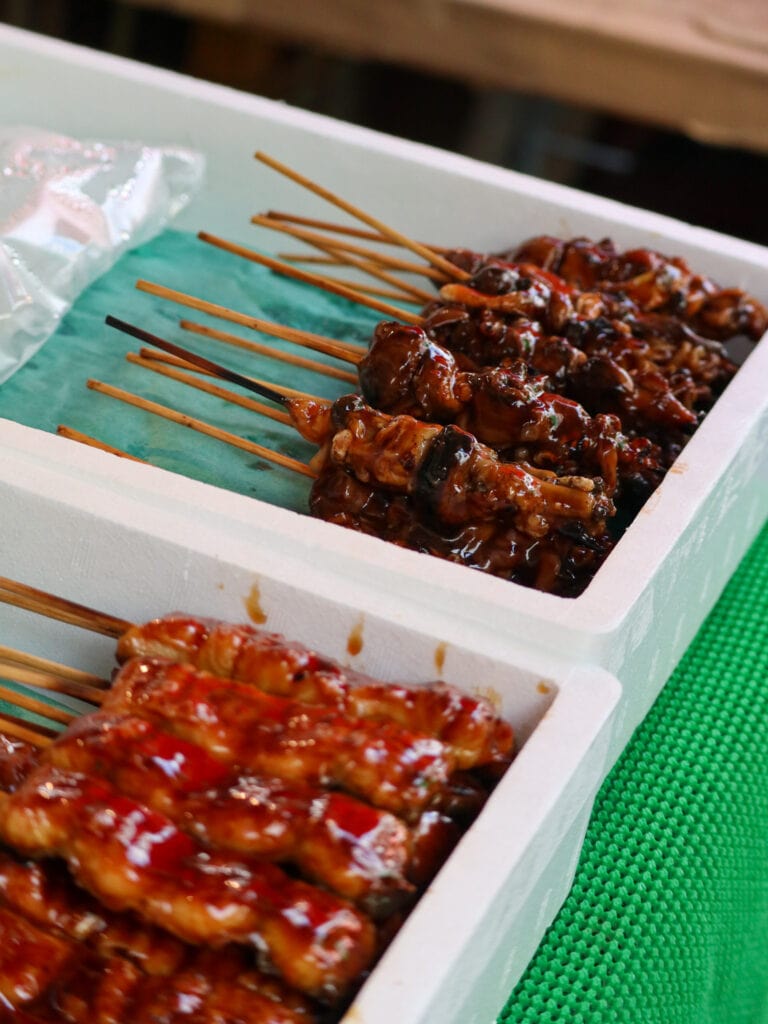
{"type": "Point", "coordinates": [68, 210]}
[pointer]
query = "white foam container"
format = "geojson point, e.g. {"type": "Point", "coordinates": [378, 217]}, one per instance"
{"type": "Point", "coordinates": [137, 541]}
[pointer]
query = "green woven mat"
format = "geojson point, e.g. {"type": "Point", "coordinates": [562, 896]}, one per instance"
{"type": "Point", "coordinates": [667, 921]}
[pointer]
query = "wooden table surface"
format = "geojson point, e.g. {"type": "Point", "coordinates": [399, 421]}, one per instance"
{"type": "Point", "coordinates": [697, 66]}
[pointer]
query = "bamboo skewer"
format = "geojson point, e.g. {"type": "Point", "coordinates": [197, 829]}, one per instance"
{"type": "Point", "coordinates": [32, 661]}
{"type": "Point", "coordinates": [151, 355]}
{"type": "Point", "coordinates": [304, 338]}
{"type": "Point", "coordinates": [448, 268]}
{"type": "Point", "coordinates": [345, 229]}
{"type": "Point", "coordinates": [201, 427]}
{"type": "Point", "coordinates": [271, 353]}
{"type": "Point", "coordinates": [341, 229]}
{"type": "Point", "coordinates": [93, 442]}
{"type": "Point", "coordinates": [37, 707]}
{"type": "Point", "coordinates": [326, 242]}
{"type": "Point", "coordinates": [326, 283]}
{"type": "Point", "coordinates": [29, 732]}
{"type": "Point", "coordinates": [54, 682]}
{"type": "Point", "coordinates": [156, 366]}
{"type": "Point", "coordinates": [30, 599]}
{"type": "Point", "coordinates": [367, 265]}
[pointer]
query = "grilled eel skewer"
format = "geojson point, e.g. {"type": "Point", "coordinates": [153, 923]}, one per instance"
{"type": "Point", "coordinates": [65, 958]}
{"type": "Point", "coordinates": [468, 726]}
{"type": "Point", "coordinates": [395, 769]}
{"type": "Point", "coordinates": [357, 851]}
{"type": "Point", "coordinates": [133, 858]}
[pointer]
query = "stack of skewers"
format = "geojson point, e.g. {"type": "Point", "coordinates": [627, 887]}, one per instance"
{"type": "Point", "coordinates": [235, 832]}
{"type": "Point", "coordinates": [518, 422]}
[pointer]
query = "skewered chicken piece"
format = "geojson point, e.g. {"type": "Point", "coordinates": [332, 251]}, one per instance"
{"type": "Point", "coordinates": [451, 476]}
{"type": "Point", "coordinates": [63, 976]}
{"type": "Point", "coordinates": [690, 370]}
{"type": "Point", "coordinates": [395, 769]}
{"type": "Point", "coordinates": [44, 893]}
{"type": "Point", "coordinates": [505, 407]}
{"type": "Point", "coordinates": [134, 858]}
{"type": "Point", "coordinates": [561, 563]}
{"type": "Point", "coordinates": [468, 726]}
{"type": "Point", "coordinates": [359, 852]}
{"type": "Point", "coordinates": [29, 959]}
{"type": "Point", "coordinates": [651, 281]}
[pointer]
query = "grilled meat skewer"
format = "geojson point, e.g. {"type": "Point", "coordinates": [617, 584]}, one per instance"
{"type": "Point", "coordinates": [467, 725]}
{"type": "Point", "coordinates": [134, 858]}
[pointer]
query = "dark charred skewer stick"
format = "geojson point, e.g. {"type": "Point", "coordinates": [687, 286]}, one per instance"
{"type": "Point", "coordinates": [203, 385]}
{"type": "Point", "coordinates": [191, 357]}
{"type": "Point", "coordinates": [450, 269]}
{"type": "Point", "coordinates": [155, 356]}
{"type": "Point", "coordinates": [326, 283]}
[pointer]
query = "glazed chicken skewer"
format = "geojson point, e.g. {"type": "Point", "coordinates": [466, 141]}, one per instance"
{"type": "Point", "coordinates": [444, 459]}
{"type": "Point", "coordinates": [468, 726]}
{"type": "Point", "coordinates": [105, 943]}
{"type": "Point", "coordinates": [355, 850]}
{"type": "Point", "coordinates": [54, 935]}
{"type": "Point", "coordinates": [201, 897]}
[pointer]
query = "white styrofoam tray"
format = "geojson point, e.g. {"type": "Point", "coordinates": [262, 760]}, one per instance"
{"type": "Point", "coordinates": [647, 601]}
{"type": "Point", "coordinates": [132, 554]}
{"type": "Point", "coordinates": [136, 540]}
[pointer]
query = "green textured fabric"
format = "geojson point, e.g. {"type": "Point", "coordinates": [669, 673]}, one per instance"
{"type": "Point", "coordinates": [667, 921]}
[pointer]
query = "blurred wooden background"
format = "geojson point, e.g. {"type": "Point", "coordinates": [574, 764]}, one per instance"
{"type": "Point", "coordinates": [660, 104]}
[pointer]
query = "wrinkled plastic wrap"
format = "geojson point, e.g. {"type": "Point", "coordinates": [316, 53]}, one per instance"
{"type": "Point", "coordinates": [68, 210]}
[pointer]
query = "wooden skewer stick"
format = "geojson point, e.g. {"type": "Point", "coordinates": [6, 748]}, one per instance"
{"type": "Point", "coordinates": [372, 290]}
{"type": "Point", "coordinates": [36, 706]}
{"type": "Point", "coordinates": [271, 353]}
{"type": "Point", "coordinates": [346, 229]}
{"type": "Point", "coordinates": [152, 355]}
{"type": "Point", "coordinates": [321, 368]}
{"type": "Point", "coordinates": [448, 268]}
{"type": "Point", "coordinates": [330, 261]}
{"type": "Point", "coordinates": [51, 681]}
{"type": "Point", "coordinates": [93, 442]}
{"type": "Point", "coordinates": [326, 242]}
{"type": "Point", "coordinates": [203, 428]}
{"type": "Point", "coordinates": [35, 735]}
{"type": "Point", "coordinates": [304, 338]}
{"type": "Point", "coordinates": [326, 283]}
{"type": "Point", "coordinates": [367, 265]}
{"type": "Point", "coordinates": [22, 596]}
{"type": "Point", "coordinates": [156, 366]}
{"type": "Point", "coordinates": [54, 668]}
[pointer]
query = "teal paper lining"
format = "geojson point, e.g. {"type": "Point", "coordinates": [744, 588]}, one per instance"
{"type": "Point", "coordinates": [51, 388]}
